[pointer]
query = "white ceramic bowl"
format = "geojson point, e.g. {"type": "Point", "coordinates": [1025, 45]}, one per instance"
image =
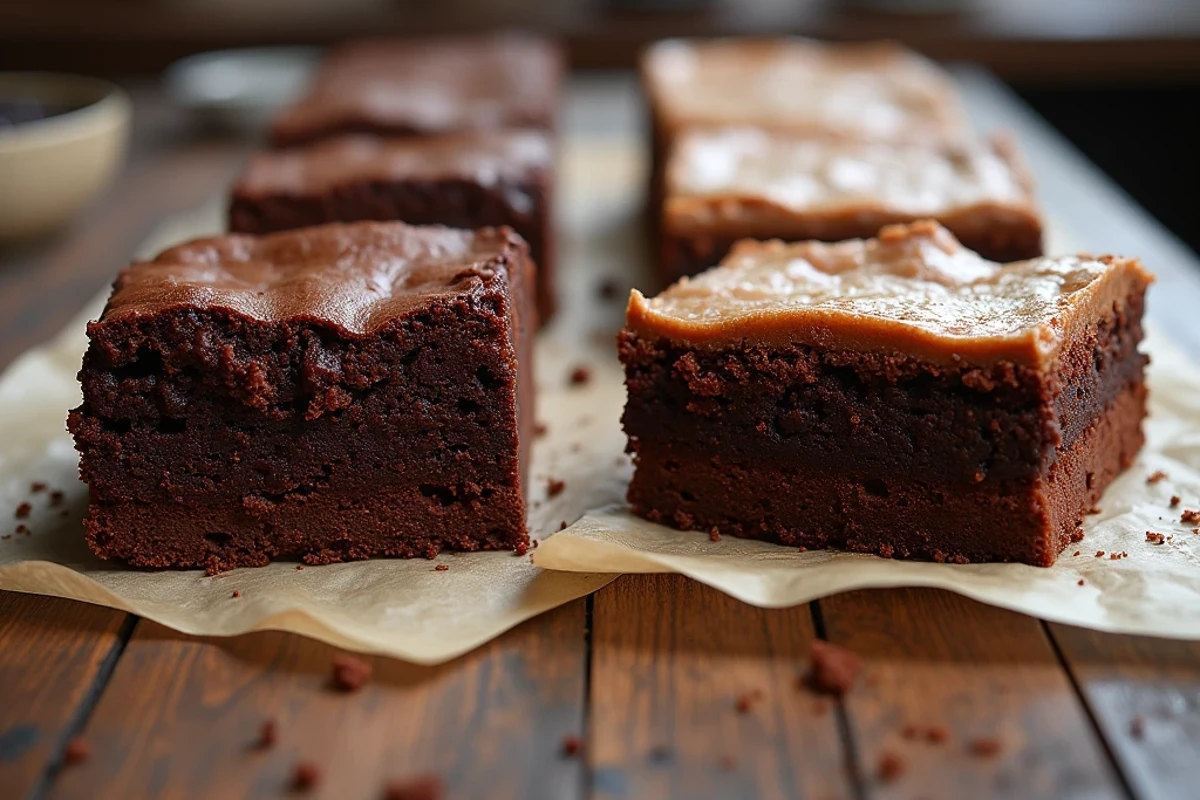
{"type": "Point", "coordinates": [51, 167]}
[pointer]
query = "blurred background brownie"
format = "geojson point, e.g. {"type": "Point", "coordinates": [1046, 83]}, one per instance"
{"type": "Point", "coordinates": [726, 184]}
{"type": "Point", "coordinates": [900, 396]}
{"type": "Point", "coordinates": [333, 393]}
{"type": "Point", "coordinates": [402, 87]}
{"type": "Point", "coordinates": [464, 180]}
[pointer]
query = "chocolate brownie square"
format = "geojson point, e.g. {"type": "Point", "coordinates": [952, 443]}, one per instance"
{"type": "Point", "coordinates": [405, 87]}
{"type": "Point", "coordinates": [462, 180]}
{"type": "Point", "coordinates": [328, 394]}
{"type": "Point", "coordinates": [900, 396]}
{"type": "Point", "coordinates": [726, 184]}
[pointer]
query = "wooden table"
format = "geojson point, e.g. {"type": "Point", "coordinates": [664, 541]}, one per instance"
{"type": "Point", "coordinates": [648, 671]}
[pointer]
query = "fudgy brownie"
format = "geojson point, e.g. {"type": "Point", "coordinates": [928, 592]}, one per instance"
{"type": "Point", "coordinates": [333, 393]}
{"type": "Point", "coordinates": [463, 180]}
{"type": "Point", "coordinates": [900, 396]}
{"type": "Point", "coordinates": [401, 87]}
{"type": "Point", "coordinates": [726, 184]}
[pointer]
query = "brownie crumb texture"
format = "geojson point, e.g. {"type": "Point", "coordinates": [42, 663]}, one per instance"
{"type": "Point", "coordinates": [350, 673]}
{"type": "Point", "coordinates": [441, 568]}
{"type": "Point", "coordinates": [746, 700]}
{"type": "Point", "coordinates": [1155, 538]}
{"type": "Point", "coordinates": [834, 669]}
{"type": "Point", "coordinates": [268, 735]}
{"type": "Point", "coordinates": [306, 776]}
{"type": "Point", "coordinates": [1157, 476]}
{"type": "Point", "coordinates": [23, 511]}
{"type": "Point", "coordinates": [572, 745]}
{"type": "Point", "coordinates": [1190, 516]}
{"type": "Point", "coordinates": [554, 487]}
{"type": "Point", "coordinates": [235, 594]}
{"type": "Point", "coordinates": [891, 766]}
{"type": "Point", "coordinates": [580, 375]}
{"type": "Point", "coordinates": [76, 752]}
{"type": "Point", "coordinates": [423, 787]}
{"type": "Point", "coordinates": [985, 747]}
{"type": "Point", "coordinates": [56, 498]}
{"type": "Point", "coordinates": [1175, 500]}
{"type": "Point", "coordinates": [37, 486]}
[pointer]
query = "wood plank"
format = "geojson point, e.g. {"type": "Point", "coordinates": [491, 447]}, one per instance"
{"type": "Point", "coordinates": [181, 717]}
{"type": "Point", "coordinates": [978, 673]}
{"type": "Point", "coordinates": [52, 654]}
{"type": "Point", "coordinates": [1144, 694]}
{"type": "Point", "coordinates": [670, 660]}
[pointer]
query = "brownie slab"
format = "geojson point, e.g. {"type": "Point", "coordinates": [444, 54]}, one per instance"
{"type": "Point", "coordinates": [463, 180]}
{"type": "Point", "coordinates": [404, 87]}
{"type": "Point", "coordinates": [335, 393]}
{"type": "Point", "coordinates": [726, 184]}
{"type": "Point", "coordinates": [899, 395]}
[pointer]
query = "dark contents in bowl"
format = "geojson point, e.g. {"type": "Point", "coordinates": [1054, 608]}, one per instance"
{"type": "Point", "coordinates": [19, 110]}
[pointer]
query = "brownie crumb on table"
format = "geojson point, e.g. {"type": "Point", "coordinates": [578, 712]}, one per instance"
{"type": "Point", "coordinates": [891, 766]}
{"type": "Point", "coordinates": [580, 375]}
{"type": "Point", "coordinates": [1155, 538]}
{"type": "Point", "coordinates": [744, 703]}
{"type": "Point", "coordinates": [1190, 516]}
{"type": "Point", "coordinates": [37, 486]}
{"type": "Point", "coordinates": [1175, 500]}
{"type": "Point", "coordinates": [554, 487]}
{"type": "Point", "coordinates": [421, 787]}
{"type": "Point", "coordinates": [562, 526]}
{"type": "Point", "coordinates": [1080, 582]}
{"type": "Point", "coordinates": [56, 498]}
{"type": "Point", "coordinates": [23, 510]}
{"type": "Point", "coordinates": [985, 747]}
{"type": "Point", "coordinates": [607, 289]}
{"type": "Point", "coordinates": [834, 669]}
{"type": "Point", "coordinates": [77, 751]}
{"type": "Point", "coordinates": [350, 673]}
{"type": "Point", "coordinates": [235, 594]}
{"type": "Point", "coordinates": [1156, 476]}
{"type": "Point", "coordinates": [520, 550]}
{"type": "Point", "coordinates": [1100, 554]}
{"type": "Point", "coordinates": [268, 735]}
{"type": "Point", "coordinates": [22, 528]}
{"type": "Point", "coordinates": [572, 745]}
{"type": "Point", "coordinates": [441, 568]}
{"type": "Point", "coordinates": [540, 429]}
{"type": "Point", "coordinates": [306, 776]}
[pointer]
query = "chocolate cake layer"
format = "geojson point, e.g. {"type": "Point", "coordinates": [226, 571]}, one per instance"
{"type": "Point", "coordinates": [333, 393]}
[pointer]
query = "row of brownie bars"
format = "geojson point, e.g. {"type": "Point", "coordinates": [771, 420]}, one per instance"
{"type": "Point", "coordinates": [796, 139]}
{"type": "Point", "coordinates": [452, 131]}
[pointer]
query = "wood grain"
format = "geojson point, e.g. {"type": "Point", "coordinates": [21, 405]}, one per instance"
{"type": "Point", "coordinates": [181, 717]}
{"type": "Point", "coordinates": [670, 660]}
{"type": "Point", "coordinates": [1145, 696]}
{"type": "Point", "coordinates": [52, 653]}
{"type": "Point", "coordinates": [978, 673]}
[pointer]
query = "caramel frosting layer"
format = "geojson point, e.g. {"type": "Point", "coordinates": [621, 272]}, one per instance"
{"type": "Point", "coordinates": [734, 175]}
{"type": "Point", "coordinates": [874, 91]}
{"type": "Point", "coordinates": [356, 277]}
{"type": "Point", "coordinates": [483, 158]}
{"type": "Point", "coordinates": [914, 291]}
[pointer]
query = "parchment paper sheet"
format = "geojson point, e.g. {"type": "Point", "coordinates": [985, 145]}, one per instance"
{"type": "Point", "coordinates": [402, 608]}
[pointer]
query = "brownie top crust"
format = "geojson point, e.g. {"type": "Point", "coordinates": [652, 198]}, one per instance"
{"type": "Point", "coordinates": [737, 174]}
{"type": "Point", "coordinates": [356, 278]}
{"type": "Point", "coordinates": [483, 158]}
{"type": "Point", "coordinates": [913, 290]}
{"type": "Point", "coordinates": [870, 91]}
{"type": "Point", "coordinates": [435, 85]}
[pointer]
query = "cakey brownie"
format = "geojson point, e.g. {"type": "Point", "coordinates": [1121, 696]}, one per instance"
{"type": "Point", "coordinates": [465, 180]}
{"type": "Point", "coordinates": [727, 184]}
{"type": "Point", "coordinates": [899, 395]}
{"type": "Point", "coordinates": [403, 87]}
{"type": "Point", "coordinates": [333, 393]}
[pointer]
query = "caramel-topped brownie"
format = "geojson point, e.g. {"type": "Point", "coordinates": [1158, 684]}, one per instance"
{"type": "Point", "coordinates": [727, 184]}
{"type": "Point", "coordinates": [898, 395]}
{"type": "Point", "coordinates": [333, 393]}
{"type": "Point", "coordinates": [468, 180]}
{"type": "Point", "coordinates": [402, 87]}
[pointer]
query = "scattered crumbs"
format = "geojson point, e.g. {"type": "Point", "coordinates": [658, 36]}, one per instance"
{"type": "Point", "coordinates": [56, 498]}
{"type": "Point", "coordinates": [37, 486]}
{"type": "Point", "coordinates": [562, 526]}
{"type": "Point", "coordinates": [985, 747]}
{"type": "Point", "coordinates": [1155, 538]}
{"type": "Point", "coordinates": [423, 787]}
{"type": "Point", "coordinates": [1137, 727]}
{"type": "Point", "coordinates": [350, 673]}
{"type": "Point", "coordinates": [1095, 510]}
{"type": "Point", "coordinates": [1189, 516]}
{"type": "Point", "coordinates": [299, 567]}
{"type": "Point", "coordinates": [727, 763]}
{"type": "Point", "coordinates": [580, 375]}
{"type": "Point", "coordinates": [910, 731]}
{"type": "Point", "coordinates": [1175, 499]}
{"type": "Point", "coordinates": [572, 745]}
{"type": "Point", "coordinates": [936, 734]}
{"type": "Point", "coordinates": [540, 429]}
{"type": "Point", "coordinates": [1157, 476]}
{"type": "Point", "coordinates": [607, 289]}
{"type": "Point", "coordinates": [1077, 535]}
{"type": "Point", "coordinates": [714, 535]}
{"type": "Point", "coordinates": [820, 707]}
{"type": "Point", "coordinates": [1116, 556]}
{"type": "Point", "coordinates": [306, 776]}
{"type": "Point", "coordinates": [235, 594]}
{"type": "Point", "coordinates": [1196, 531]}
{"type": "Point", "coordinates": [660, 753]}
{"type": "Point", "coordinates": [521, 549]}
{"type": "Point", "coordinates": [441, 568]}
{"type": "Point", "coordinates": [891, 766]}
{"type": "Point", "coordinates": [1081, 581]}
{"type": "Point", "coordinates": [834, 669]}
{"type": "Point", "coordinates": [1077, 552]}
{"type": "Point", "coordinates": [554, 487]}
{"type": "Point", "coordinates": [76, 752]}
{"type": "Point", "coordinates": [268, 734]}
{"type": "Point", "coordinates": [1099, 554]}
{"type": "Point", "coordinates": [745, 701]}
{"type": "Point", "coordinates": [23, 511]}
{"type": "Point", "coordinates": [802, 549]}
{"type": "Point", "coordinates": [23, 528]}
{"type": "Point", "coordinates": [535, 544]}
